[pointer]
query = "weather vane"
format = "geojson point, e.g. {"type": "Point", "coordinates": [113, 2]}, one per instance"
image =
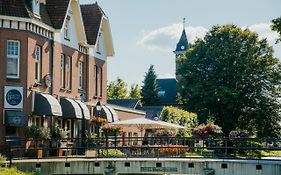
{"type": "Point", "coordinates": [183, 23]}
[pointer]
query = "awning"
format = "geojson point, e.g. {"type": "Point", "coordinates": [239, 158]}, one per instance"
{"type": "Point", "coordinates": [14, 118]}
{"type": "Point", "coordinates": [45, 104]}
{"type": "Point", "coordinates": [70, 109]}
{"type": "Point", "coordinates": [109, 113]}
{"type": "Point", "coordinates": [84, 109]}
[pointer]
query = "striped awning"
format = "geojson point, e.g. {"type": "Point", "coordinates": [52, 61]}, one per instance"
{"type": "Point", "coordinates": [110, 113]}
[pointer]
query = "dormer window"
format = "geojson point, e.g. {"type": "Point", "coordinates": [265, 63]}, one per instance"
{"type": "Point", "coordinates": [66, 28]}
{"type": "Point", "coordinates": [36, 7]}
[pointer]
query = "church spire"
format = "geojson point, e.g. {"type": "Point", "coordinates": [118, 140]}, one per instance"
{"type": "Point", "coordinates": [182, 45]}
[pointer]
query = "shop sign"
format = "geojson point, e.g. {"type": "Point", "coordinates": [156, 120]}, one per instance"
{"type": "Point", "coordinates": [13, 97]}
{"type": "Point", "coordinates": [158, 169]}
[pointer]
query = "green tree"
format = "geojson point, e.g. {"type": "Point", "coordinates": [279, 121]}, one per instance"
{"type": "Point", "coordinates": [135, 91]}
{"type": "Point", "coordinates": [181, 117]}
{"type": "Point", "coordinates": [149, 91]}
{"type": "Point", "coordinates": [117, 89]}
{"type": "Point", "coordinates": [232, 77]}
{"type": "Point", "coordinates": [276, 26]}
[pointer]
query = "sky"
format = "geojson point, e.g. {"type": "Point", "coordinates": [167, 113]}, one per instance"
{"type": "Point", "coordinates": [146, 32]}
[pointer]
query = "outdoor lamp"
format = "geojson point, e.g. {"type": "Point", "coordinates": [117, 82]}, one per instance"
{"type": "Point", "coordinates": [98, 108]}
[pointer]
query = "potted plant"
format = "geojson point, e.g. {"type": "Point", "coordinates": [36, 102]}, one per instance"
{"type": "Point", "coordinates": [38, 135]}
{"type": "Point", "coordinates": [59, 135]}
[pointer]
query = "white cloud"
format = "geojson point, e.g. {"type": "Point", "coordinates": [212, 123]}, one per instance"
{"type": "Point", "coordinates": [165, 38]}
{"type": "Point", "coordinates": [264, 31]}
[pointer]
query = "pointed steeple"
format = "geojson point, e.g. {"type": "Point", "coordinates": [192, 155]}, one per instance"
{"type": "Point", "coordinates": [182, 45]}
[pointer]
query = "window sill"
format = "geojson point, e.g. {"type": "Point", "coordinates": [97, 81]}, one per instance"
{"type": "Point", "coordinates": [62, 89]}
{"type": "Point", "coordinates": [68, 90]}
{"type": "Point", "coordinates": [12, 79]}
{"type": "Point", "coordinates": [67, 39]}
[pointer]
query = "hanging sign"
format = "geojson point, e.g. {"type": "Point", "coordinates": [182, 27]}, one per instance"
{"type": "Point", "coordinates": [13, 97]}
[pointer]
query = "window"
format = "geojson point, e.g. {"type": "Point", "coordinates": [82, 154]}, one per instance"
{"type": "Point", "coordinates": [66, 28]}
{"type": "Point", "coordinates": [80, 75]}
{"type": "Point", "coordinates": [36, 7]}
{"type": "Point", "coordinates": [38, 63]}
{"type": "Point", "coordinates": [98, 81]}
{"type": "Point", "coordinates": [13, 58]}
{"type": "Point", "coordinates": [62, 71]}
{"type": "Point", "coordinates": [37, 121]}
{"type": "Point", "coordinates": [68, 72]}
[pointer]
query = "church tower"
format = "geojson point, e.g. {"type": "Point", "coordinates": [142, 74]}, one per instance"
{"type": "Point", "coordinates": [182, 45]}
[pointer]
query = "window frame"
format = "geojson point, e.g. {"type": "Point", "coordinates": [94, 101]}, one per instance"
{"type": "Point", "coordinates": [80, 75]}
{"type": "Point", "coordinates": [38, 61]}
{"type": "Point", "coordinates": [68, 72]}
{"type": "Point", "coordinates": [67, 28]}
{"type": "Point", "coordinates": [13, 57]}
{"type": "Point", "coordinates": [62, 71]}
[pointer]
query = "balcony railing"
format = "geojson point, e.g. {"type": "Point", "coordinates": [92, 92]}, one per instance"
{"type": "Point", "coordinates": [117, 146]}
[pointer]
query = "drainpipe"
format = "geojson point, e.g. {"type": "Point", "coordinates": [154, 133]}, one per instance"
{"type": "Point", "coordinates": [52, 66]}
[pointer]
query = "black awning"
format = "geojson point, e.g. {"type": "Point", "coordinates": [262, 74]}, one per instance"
{"type": "Point", "coordinates": [70, 109]}
{"type": "Point", "coordinates": [14, 118]}
{"type": "Point", "coordinates": [45, 104]}
{"type": "Point", "coordinates": [109, 113]}
{"type": "Point", "coordinates": [84, 109]}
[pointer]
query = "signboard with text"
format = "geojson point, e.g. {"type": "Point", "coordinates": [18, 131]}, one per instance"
{"type": "Point", "coordinates": [13, 97]}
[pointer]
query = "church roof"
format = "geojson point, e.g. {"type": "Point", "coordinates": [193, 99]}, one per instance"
{"type": "Point", "coordinates": [167, 91]}
{"type": "Point", "coordinates": [183, 43]}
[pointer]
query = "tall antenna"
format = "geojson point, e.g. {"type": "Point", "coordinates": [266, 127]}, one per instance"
{"type": "Point", "coordinates": [183, 23]}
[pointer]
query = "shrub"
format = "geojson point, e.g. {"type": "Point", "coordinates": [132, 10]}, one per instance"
{"type": "Point", "coordinates": [2, 159]}
{"type": "Point", "coordinates": [12, 171]}
{"type": "Point", "coordinates": [111, 153]}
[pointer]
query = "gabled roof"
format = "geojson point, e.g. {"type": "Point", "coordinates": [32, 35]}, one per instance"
{"type": "Point", "coordinates": [14, 8]}
{"type": "Point", "coordinates": [168, 88]}
{"type": "Point", "coordinates": [152, 112]}
{"type": "Point", "coordinates": [128, 103]}
{"type": "Point", "coordinates": [183, 43]}
{"type": "Point", "coordinates": [92, 16]}
{"type": "Point", "coordinates": [52, 13]}
{"type": "Point", "coordinates": [57, 10]}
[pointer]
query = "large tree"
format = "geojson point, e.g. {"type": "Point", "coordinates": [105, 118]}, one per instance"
{"type": "Point", "coordinates": [181, 117]}
{"type": "Point", "coordinates": [232, 77]}
{"type": "Point", "coordinates": [276, 26]}
{"type": "Point", "coordinates": [117, 89]}
{"type": "Point", "coordinates": [135, 91]}
{"type": "Point", "coordinates": [149, 91]}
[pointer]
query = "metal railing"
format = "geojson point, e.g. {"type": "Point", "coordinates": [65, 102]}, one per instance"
{"type": "Point", "coordinates": [118, 146]}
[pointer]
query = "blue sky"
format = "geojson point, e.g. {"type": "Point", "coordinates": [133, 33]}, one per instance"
{"type": "Point", "coordinates": [146, 32]}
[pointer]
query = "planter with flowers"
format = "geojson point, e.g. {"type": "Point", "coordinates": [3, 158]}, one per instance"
{"type": "Point", "coordinates": [111, 130]}
{"type": "Point", "coordinates": [207, 133]}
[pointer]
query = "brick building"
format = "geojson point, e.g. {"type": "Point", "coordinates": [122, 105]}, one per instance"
{"type": "Point", "coordinates": [53, 64]}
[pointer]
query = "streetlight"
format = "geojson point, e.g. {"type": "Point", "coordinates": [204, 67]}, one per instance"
{"type": "Point", "coordinates": [98, 110]}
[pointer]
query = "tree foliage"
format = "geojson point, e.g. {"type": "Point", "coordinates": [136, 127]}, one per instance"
{"type": "Point", "coordinates": [117, 89]}
{"type": "Point", "coordinates": [135, 91]}
{"type": "Point", "coordinates": [276, 26]}
{"type": "Point", "coordinates": [180, 117]}
{"type": "Point", "coordinates": [149, 91]}
{"type": "Point", "coordinates": [232, 77]}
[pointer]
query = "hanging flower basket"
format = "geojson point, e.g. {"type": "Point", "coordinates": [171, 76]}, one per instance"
{"type": "Point", "coordinates": [99, 120]}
